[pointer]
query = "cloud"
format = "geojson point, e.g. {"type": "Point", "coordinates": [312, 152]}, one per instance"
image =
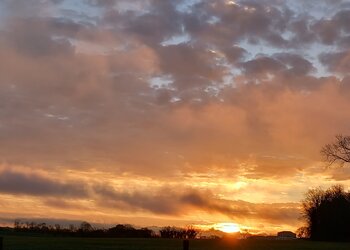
{"type": "Point", "coordinates": [338, 62]}
{"type": "Point", "coordinates": [19, 9]}
{"type": "Point", "coordinates": [262, 65]}
{"type": "Point", "coordinates": [13, 182]}
{"type": "Point", "coordinates": [162, 202]}
{"type": "Point", "coordinates": [331, 30]}
{"type": "Point", "coordinates": [297, 65]}
{"type": "Point", "coordinates": [38, 40]}
{"type": "Point", "coordinates": [172, 201]}
{"type": "Point", "coordinates": [246, 20]}
{"type": "Point", "coordinates": [190, 67]}
{"type": "Point", "coordinates": [241, 210]}
{"type": "Point", "coordinates": [101, 3]}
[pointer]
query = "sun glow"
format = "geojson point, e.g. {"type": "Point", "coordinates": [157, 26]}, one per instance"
{"type": "Point", "coordinates": [227, 227]}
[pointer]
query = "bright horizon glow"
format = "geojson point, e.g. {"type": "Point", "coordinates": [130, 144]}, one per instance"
{"type": "Point", "coordinates": [227, 227]}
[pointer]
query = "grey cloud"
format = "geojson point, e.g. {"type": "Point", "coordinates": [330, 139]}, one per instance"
{"type": "Point", "coordinates": [246, 20]}
{"type": "Point", "coordinates": [303, 34]}
{"type": "Point", "coordinates": [33, 184]}
{"type": "Point", "coordinates": [327, 30]}
{"type": "Point", "coordinates": [164, 201]}
{"type": "Point", "coordinates": [234, 54]}
{"type": "Point", "coordinates": [208, 202]}
{"type": "Point", "coordinates": [274, 212]}
{"type": "Point", "coordinates": [29, 8]}
{"type": "Point", "coordinates": [169, 201]}
{"type": "Point", "coordinates": [336, 62]}
{"type": "Point", "coordinates": [296, 63]}
{"type": "Point", "coordinates": [188, 63]}
{"type": "Point", "coordinates": [43, 36]}
{"type": "Point", "coordinates": [35, 41]}
{"type": "Point", "coordinates": [101, 3]}
{"type": "Point", "coordinates": [330, 30]}
{"type": "Point", "coordinates": [289, 64]}
{"type": "Point", "coordinates": [263, 65]}
{"type": "Point", "coordinates": [159, 21]}
{"type": "Point", "coordinates": [344, 42]}
{"type": "Point", "coordinates": [342, 18]}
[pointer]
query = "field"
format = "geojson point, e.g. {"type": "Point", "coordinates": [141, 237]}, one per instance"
{"type": "Point", "coordinates": [58, 243]}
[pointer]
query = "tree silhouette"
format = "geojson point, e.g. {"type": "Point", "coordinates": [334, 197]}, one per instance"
{"type": "Point", "coordinates": [178, 233]}
{"type": "Point", "coordinates": [86, 227]}
{"type": "Point", "coordinates": [337, 152]}
{"type": "Point", "coordinates": [191, 232]}
{"type": "Point", "coordinates": [327, 214]}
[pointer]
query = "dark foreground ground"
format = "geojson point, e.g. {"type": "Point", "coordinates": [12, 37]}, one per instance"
{"type": "Point", "coordinates": [58, 243]}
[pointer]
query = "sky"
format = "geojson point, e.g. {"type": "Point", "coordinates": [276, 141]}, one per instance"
{"type": "Point", "coordinates": [170, 112]}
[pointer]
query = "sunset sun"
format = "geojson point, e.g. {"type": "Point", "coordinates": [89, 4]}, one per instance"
{"type": "Point", "coordinates": [227, 227]}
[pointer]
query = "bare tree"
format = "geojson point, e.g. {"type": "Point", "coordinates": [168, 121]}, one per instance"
{"type": "Point", "coordinates": [337, 152]}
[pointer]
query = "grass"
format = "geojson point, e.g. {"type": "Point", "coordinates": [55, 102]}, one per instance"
{"type": "Point", "coordinates": [66, 243]}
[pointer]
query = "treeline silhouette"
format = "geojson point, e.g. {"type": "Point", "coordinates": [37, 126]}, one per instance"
{"type": "Point", "coordinates": [178, 233]}
{"type": "Point", "coordinates": [119, 231]}
{"type": "Point", "coordinates": [327, 215]}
